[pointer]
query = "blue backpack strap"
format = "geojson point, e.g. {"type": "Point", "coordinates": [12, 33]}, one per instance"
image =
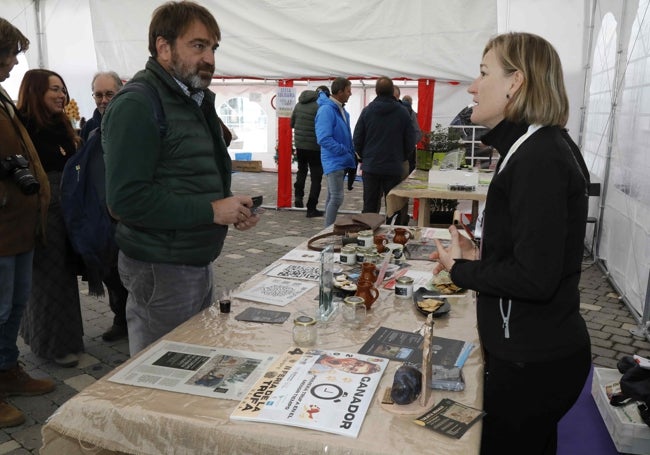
{"type": "Point", "coordinates": [140, 86]}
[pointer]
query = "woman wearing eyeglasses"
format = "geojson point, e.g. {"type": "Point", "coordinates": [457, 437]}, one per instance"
{"type": "Point", "coordinates": [52, 324]}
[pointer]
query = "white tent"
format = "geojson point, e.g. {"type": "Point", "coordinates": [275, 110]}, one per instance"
{"type": "Point", "coordinates": [603, 45]}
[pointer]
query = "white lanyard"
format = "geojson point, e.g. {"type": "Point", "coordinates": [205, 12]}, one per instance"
{"type": "Point", "coordinates": [515, 146]}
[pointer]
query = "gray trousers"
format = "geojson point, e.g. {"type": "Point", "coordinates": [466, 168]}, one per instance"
{"type": "Point", "coordinates": [161, 297]}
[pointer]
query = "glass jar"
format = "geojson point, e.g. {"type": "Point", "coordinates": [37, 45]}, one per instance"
{"type": "Point", "coordinates": [348, 255]}
{"type": "Point", "coordinates": [404, 287]}
{"type": "Point", "coordinates": [304, 331]}
{"type": "Point", "coordinates": [361, 253]}
{"type": "Point", "coordinates": [354, 310]}
{"type": "Point", "coordinates": [365, 239]}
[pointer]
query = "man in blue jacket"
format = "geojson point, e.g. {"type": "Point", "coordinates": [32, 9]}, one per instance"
{"type": "Point", "coordinates": [383, 138]}
{"type": "Point", "coordinates": [334, 136]}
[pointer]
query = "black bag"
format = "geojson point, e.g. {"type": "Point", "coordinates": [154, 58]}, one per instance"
{"type": "Point", "coordinates": [83, 198]}
{"type": "Point", "coordinates": [344, 225]}
{"type": "Point", "coordinates": [635, 386]}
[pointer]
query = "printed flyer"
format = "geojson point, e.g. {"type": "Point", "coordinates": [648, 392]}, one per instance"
{"type": "Point", "coordinates": [322, 390]}
{"type": "Point", "coordinates": [197, 370]}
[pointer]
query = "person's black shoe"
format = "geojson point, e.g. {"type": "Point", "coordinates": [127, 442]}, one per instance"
{"type": "Point", "coordinates": [298, 203]}
{"type": "Point", "coordinates": [350, 187]}
{"type": "Point", "coordinates": [314, 213]}
{"type": "Point", "coordinates": [114, 333]}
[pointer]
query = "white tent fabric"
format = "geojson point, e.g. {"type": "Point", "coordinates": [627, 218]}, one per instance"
{"type": "Point", "coordinates": [616, 135]}
{"type": "Point", "coordinates": [292, 39]}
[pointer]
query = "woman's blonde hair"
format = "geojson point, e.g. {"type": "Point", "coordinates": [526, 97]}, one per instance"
{"type": "Point", "coordinates": [542, 97]}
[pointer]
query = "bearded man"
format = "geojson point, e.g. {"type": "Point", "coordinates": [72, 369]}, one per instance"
{"type": "Point", "coordinates": [170, 194]}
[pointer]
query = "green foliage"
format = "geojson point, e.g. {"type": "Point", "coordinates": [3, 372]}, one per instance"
{"type": "Point", "coordinates": [442, 139]}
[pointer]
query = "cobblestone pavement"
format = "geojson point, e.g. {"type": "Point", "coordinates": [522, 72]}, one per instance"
{"type": "Point", "coordinates": [245, 253]}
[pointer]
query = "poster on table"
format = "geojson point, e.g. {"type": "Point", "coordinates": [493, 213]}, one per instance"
{"type": "Point", "coordinates": [275, 291]}
{"type": "Point", "coordinates": [321, 390]}
{"type": "Point", "coordinates": [197, 370]}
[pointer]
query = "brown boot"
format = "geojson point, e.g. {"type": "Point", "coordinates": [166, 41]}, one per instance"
{"type": "Point", "coordinates": [16, 382]}
{"type": "Point", "coordinates": [10, 416]}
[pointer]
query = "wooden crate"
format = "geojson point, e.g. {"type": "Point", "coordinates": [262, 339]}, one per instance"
{"type": "Point", "coordinates": [247, 166]}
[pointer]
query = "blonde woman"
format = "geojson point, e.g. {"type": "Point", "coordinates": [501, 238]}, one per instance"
{"type": "Point", "coordinates": [535, 342]}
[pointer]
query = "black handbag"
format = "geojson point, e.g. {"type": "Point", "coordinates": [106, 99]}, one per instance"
{"type": "Point", "coordinates": [635, 386]}
{"type": "Point", "coordinates": [343, 227]}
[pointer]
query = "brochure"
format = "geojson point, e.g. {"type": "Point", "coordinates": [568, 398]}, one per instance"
{"type": "Point", "coordinates": [395, 345]}
{"type": "Point", "coordinates": [321, 390]}
{"type": "Point", "coordinates": [450, 418]}
{"type": "Point", "coordinates": [447, 355]}
{"type": "Point", "coordinates": [275, 291]}
{"type": "Point", "coordinates": [197, 370]}
{"type": "Point", "coordinates": [302, 256]}
{"type": "Point", "coordinates": [295, 271]}
{"type": "Point", "coordinates": [252, 314]}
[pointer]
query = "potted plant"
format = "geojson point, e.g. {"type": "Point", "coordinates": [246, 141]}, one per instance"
{"type": "Point", "coordinates": [437, 143]}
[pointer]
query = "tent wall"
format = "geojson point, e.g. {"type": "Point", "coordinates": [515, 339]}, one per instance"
{"type": "Point", "coordinates": [616, 137]}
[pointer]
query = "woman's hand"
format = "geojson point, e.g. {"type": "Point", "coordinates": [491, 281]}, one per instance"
{"type": "Point", "coordinates": [460, 248]}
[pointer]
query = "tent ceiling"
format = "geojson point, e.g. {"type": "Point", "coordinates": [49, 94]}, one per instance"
{"type": "Point", "coordinates": [289, 39]}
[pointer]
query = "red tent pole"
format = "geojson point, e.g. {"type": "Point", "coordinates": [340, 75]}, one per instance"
{"type": "Point", "coordinates": [426, 89]}
{"type": "Point", "coordinates": [284, 155]}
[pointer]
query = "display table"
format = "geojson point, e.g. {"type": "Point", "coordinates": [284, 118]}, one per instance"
{"type": "Point", "coordinates": [416, 186]}
{"type": "Point", "coordinates": [107, 418]}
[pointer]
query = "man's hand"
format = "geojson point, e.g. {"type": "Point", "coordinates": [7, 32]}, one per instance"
{"type": "Point", "coordinates": [234, 210]}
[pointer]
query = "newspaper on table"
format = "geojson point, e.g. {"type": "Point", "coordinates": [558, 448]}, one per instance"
{"type": "Point", "coordinates": [321, 390]}
{"type": "Point", "coordinates": [196, 370]}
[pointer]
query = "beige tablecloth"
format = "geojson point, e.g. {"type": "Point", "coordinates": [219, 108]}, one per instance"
{"type": "Point", "coordinates": [108, 418]}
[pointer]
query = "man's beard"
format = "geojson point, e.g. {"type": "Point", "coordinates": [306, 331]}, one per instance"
{"type": "Point", "coordinates": [190, 76]}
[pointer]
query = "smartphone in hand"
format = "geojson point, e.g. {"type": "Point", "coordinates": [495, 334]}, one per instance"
{"type": "Point", "coordinates": [257, 202]}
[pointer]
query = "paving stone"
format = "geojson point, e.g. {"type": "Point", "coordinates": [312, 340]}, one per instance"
{"type": "Point", "coordinates": [7, 447]}
{"type": "Point", "coordinates": [595, 341]}
{"type": "Point", "coordinates": [589, 307]}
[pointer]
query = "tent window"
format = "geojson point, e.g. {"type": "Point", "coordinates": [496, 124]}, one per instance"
{"type": "Point", "coordinates": [247, 120]}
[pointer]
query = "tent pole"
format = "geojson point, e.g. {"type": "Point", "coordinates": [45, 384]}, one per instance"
{"type": "Point", "coordinates": [284, 155]}
{"type": "Point", "coordinates": [426, 90]}
{"type": "Point", "coordinates": [40, 33]}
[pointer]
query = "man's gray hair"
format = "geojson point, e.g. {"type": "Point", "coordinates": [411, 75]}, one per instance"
{"type": "Point", "coordinates": [113, 74]}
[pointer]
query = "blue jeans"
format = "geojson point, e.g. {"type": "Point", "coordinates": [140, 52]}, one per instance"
{"type": "Point", "coordinates": [334, 195]}
{"type": "Point", "coordinates": [15, 285]}
{"type": "Point", "coordinates": [161, 297]}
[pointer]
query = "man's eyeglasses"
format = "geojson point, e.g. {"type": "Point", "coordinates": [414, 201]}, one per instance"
{"type": "Point", "coordinates": [99, 95]}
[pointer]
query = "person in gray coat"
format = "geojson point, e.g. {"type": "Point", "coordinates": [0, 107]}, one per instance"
{"type": "Point", "coordinates": [307, 150]}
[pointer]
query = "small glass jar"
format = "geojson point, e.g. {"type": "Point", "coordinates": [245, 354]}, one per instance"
{"type": "Point", "coordinates": [348, 255]}
{"type": "Point", "coordinates": [365, 238]}
{"type": "Point", "coordinates": [404, 287]}
{"type": "Point", "coordinates": [371, 257]}
{"type": "Point", "coordinates": [304, 331]}
{"type": "Point", "coordinates": [354, 310]}
{"type": "Point", "coordinates": [361, 253]}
